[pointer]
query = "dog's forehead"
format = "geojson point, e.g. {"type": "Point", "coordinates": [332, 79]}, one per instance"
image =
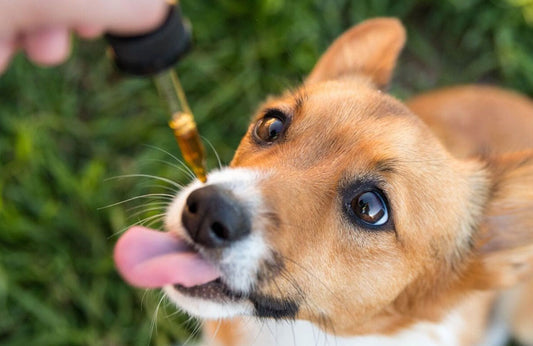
{"type": "Point", "coordinates": [343, 103]}
{"type": "Point", "coordinates": [340, 119]}
{"type": "Point", "coordinates": [333, 120]}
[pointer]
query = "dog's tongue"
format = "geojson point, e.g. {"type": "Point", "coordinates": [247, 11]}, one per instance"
{"type": "Point", "coordinates": [150, 259]}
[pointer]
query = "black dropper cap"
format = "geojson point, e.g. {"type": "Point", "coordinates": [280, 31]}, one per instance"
{"type": "Point", "coordinates": [153, 52]}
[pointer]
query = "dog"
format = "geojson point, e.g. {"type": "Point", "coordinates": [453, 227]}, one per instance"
{"type": "Point", "coordinates": [349, 218]}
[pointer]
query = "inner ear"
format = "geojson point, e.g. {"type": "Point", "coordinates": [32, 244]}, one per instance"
{"type": "Point", "coordinates": [370, 48]}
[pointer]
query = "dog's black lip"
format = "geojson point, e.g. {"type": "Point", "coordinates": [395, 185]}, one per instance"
{"type": "Point", "coordinates": [264, 306]}
{"type": "Point", "coordinates": [215, 290]}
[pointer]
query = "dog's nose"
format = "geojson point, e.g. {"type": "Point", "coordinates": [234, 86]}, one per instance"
{"type": "Point", "coordinates": [213, 217]}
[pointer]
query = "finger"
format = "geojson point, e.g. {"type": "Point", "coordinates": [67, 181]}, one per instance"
{"type": "Point", "coordinates": [7, 49]}
{"type": "Point", "coordinates": [118, 16]}
{"type": "Point", "coordinates": [89, 31]}
{"type": "Point", "coordinates": [126, 16]}
{"type": "Point", "coordinates": [49, 46]}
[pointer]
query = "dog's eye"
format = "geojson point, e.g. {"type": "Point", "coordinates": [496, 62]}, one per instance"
{"type": "Point", "coordinates": [269, 128]}
{"type": "Point", "coordinates": [370, 207]}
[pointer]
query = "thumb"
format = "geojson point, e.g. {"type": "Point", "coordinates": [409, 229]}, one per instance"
{"type": "Point", "coordinates": [127, 16]}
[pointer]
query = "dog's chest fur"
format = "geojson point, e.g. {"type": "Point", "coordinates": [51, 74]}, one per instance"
{"type": "Point", "coordinates": [302, 333]}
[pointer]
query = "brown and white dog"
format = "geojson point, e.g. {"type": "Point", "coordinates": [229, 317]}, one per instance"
{"type": "Point", "coordinates": [358, 219]}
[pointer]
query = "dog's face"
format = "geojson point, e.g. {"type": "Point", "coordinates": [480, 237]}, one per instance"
{"type": "Point", "coordinates": [340, 206]}
{"type": "Point", "coordinates": [330, 179]}
{"type": "Point", "coordinates": [335, 183]}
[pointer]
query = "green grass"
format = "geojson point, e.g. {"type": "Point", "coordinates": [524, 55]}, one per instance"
{"type": "Point", "coordinates": [64, 131]}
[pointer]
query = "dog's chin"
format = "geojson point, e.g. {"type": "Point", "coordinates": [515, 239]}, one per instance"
{"type": "Point", "coordinates": [215, 300]}
{"type": "Point", "coordinates": [212, 300]}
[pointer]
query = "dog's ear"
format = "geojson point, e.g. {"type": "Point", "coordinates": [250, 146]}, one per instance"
{"type": "Point", "coordinates": [370, 49]}
{"type": "Point", "coordinates": [505, 243]}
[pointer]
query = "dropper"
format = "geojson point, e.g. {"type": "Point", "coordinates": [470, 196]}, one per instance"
{"type": "Point", "coordinates": [182, 122]}
{"type": "Point", "coordinates": [154, 54]}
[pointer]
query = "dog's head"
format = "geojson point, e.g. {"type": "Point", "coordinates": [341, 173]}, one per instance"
{"type": "Point", "coordinates": [342, 208]}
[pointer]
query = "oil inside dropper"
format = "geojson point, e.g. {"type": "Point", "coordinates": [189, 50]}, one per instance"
{"type": "Point", "coordinates": [189, 142]}
{"type": "Point", "coordinates": [182, 122]}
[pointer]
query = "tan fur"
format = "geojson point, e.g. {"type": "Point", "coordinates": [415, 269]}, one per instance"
{"type": "Point", "coordinates": [521, 321]}
{"type": "Point", "coordinates": [477, 120]}
{"type": "Point", "coordinates": [225, 332]}
{"type": "Point", "coordinates": [385, 35]}
{"type": "Point", "coordinates": [462, 204]}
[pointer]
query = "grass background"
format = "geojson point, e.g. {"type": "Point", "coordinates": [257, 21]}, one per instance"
{"type": "Point", "coordinates": [65, 130]}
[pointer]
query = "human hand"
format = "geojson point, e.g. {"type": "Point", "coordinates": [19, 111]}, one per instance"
{"type": "Point", "coordinates": [41, 28]}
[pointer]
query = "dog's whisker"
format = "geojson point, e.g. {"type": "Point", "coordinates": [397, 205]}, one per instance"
{"type": "Point", "coordinates": [293, 334]}
{"type": "Point", "coordinates": [214, 151]}
{"type": "Point", "coordinates": [150, 218]}
{"type": "Point", "coordinates": [162, 196]}
{"type": "Point", "coordinates": [175, 312]}
{"type": "Point", "coordinates": [143, 297]}
{"type": "Point", "coordinates": [153, 324]}
{"type": "Point", "coordinates": [251, 320]}
{"type": "Point", "coordinates": [197, 329]}
{"type": "Point", "coordinates": [161, 205]}
{"type": "Point", "coordinates": [292, 281]}
{"type": "Point", "coordinates": [171, 182]}
{"type": "Point", "coordinates": [305, 301]}
{"type": "Point", "coordinates": [191, 173]}
{"type": "Point", "coordinates": [153, 223]}
{"type": "Point", "coordinates": [147, 210]}
{"type": "Point", "coordinates": [198, 326]}
{"type": "Point", "coordinates": [180, 167]}
{"type": "Point", "coordinates": [217, 329]}
{"type": "Point", "coordinates": [270, 331]}
{"type": "Point", "coordinates": [327, 324]}
{"type": "Point", "coordinates": [304, 298]}
{"type": "Point", "coordinates": [161, 187]}
{"type": "Point", "coordinates": [279, 288]}
{"type": "Point", "coordinates": [157, 217]}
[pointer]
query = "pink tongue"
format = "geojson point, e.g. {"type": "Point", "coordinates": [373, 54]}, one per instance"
{"type": "Point", "coordinates": [150, 259]}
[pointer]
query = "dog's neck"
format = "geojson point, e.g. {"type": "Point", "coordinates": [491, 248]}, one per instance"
{"type": "Point", "coordinates": [461, 326]}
